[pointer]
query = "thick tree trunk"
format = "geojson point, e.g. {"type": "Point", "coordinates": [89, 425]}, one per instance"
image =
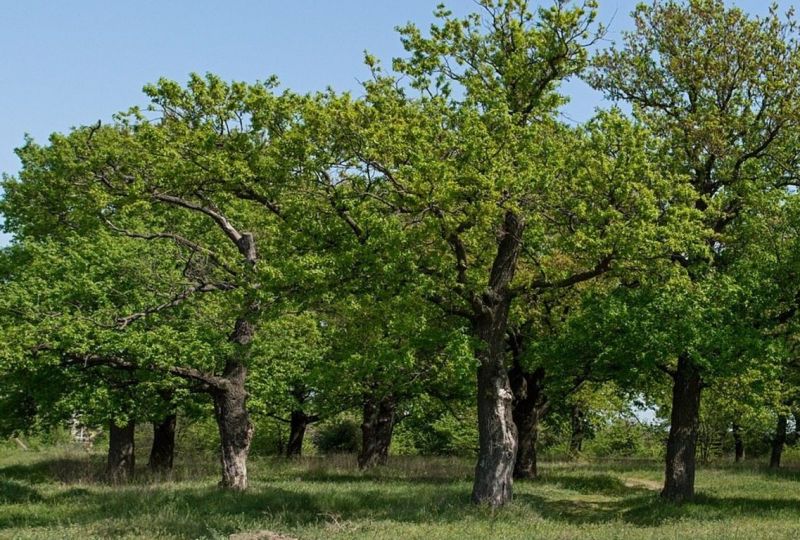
{"type": "Point", "coordinates": [376, 431]}
{"type": "Point", "coordinates": [778, 441]}
{"type": "Point", "coordinates": [121, 451]}
{"type": "Point", "coordinates": [497, 438]}
{"type": "Point", "coordinates": [529, 406]}
{"type": "Point", "coordinates": [578, 425]}
{"type": "Point", "coordinates": [682, 442]}
{"type": "Point", "coordinates": [235, 429]}
{"type": "Point", "coordinates": [297, 431]}
{"type": "Point", "coordinates": [497, 434]}
{"type": "Point", "coordinates": [163, 451]}
{"type": "Point", "coordinates": [738, 443]}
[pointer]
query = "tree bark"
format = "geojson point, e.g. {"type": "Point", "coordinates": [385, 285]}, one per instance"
{"type": "Point", "coordinates": [163, 451]}
{"type": "Point", "coordinates": [121, 451]}
{"type": "Point", "coordinates": [682, 442]}
{"type": "Point", "coordinates": [235, 428]}
{"type": "Point", "coordinates": [578, 432]}
{"type": "Point", "coordinates": [376, 431]}
{"type": "Point", "coordinates": [738, 443]}
{"type": "Point", "coordinates": [497, 434]}
{"type": "Point", "coordinates": [529, 407]}
{"type": "Point", "coordinates": [778, 441]}
{"type": "Point", "coordinates": [298, 423]}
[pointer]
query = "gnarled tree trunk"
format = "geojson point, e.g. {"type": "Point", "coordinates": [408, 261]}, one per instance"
{"type": "Point", "coordinates": [497, 434]}
{"type": "Point", "coordinates": [162, 452]}
{"type": "Point", "coordinates": [298, 423]}
{"type": "Point", "coordinates": [778, 441]}
{"type": "Point", "coordinates": [121, 451]}
{"type": "Point", "coordinates": [682, 442]}
{"type": "Point", "coordinates": [738, 443]}
{"type": "Point", "coordinates": [235, 429]}
{"type": "Point", "coordinates": [376, 431]}
{"type": "Point", "coordinates": [529, 406]}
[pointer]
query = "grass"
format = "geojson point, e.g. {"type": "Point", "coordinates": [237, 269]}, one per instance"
{"type": "Point", "coordinates": [60, 494]}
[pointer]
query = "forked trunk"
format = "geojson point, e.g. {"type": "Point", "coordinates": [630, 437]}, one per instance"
{"type": "Point", "coordinates": [376, 431]}
{"type": "Point", "coordinates": [529, 406]}
{"type": "Point", "coordinates": [235, 429]}
{"type": "Point", "coordinates": [121, 451]}
{"type": "Point", "coordinates": [738, 443]}
{"type": "Point", "coordinates": [778, 441]}
{"type": "Point", "coordinates": [163, 451]}
{"type": "Point", "coordinates": [298, 424]}
{"type": "Point", "coordinates": [684, 422]}
{"type": "Point", "coordinates": [578, 424]}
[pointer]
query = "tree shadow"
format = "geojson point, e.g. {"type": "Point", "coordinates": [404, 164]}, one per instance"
{"type": "Point", "coordinates": [223, 511]}
{"type": "Point", "coordinates": [63, 470]}
{"type": "Point", "coordinates": [649, 510]}
{"type": "Point", "coordinates": [12, 492]}
{"type": "Point", "coordinates": [596, 484]}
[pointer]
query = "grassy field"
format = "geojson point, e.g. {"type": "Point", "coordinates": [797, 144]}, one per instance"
{"type": "Point", "coordinates": [59, 494]}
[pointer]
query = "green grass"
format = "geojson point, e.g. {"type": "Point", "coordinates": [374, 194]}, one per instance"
{"type": "Point", "coordinates": [59, 494]}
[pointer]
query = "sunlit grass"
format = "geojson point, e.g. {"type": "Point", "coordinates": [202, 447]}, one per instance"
{"type": "Point", "coordinates": [58, 494]}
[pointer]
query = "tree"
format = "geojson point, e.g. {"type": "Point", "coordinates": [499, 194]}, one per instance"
{"type": "Point", "coordinates": [720, 88]}
{"type": "Point", "coordinates": [215, 156]}
{"type": "Point", "coordinates": [476, 171]}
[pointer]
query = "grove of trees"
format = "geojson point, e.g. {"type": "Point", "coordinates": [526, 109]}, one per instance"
{"type": "Point", "coordinates": [441, 240]}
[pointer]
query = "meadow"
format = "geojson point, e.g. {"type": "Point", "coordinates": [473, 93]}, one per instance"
{"type": "Point", "coordinates": [61, 493]}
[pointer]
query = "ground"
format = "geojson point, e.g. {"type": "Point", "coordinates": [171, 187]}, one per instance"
{"type": "Point", "coordinates": [59, 494]}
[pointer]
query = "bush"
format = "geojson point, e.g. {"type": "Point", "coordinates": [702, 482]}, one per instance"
{"type": "Point", "coordinates": [338, 436]}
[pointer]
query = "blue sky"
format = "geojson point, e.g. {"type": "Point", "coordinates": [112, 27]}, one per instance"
{"type": "Point", "coordinates": [64, 64]}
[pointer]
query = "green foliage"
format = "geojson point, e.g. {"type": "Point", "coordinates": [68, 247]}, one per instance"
{"type": "Point", "coordinates": [340, 435]}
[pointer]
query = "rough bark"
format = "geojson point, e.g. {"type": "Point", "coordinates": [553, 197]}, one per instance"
{"type": "Point", "coordinates": [529, 406]}
{"type": "Point", "coordinates": [778, 442]}
{"type": "Point", "coordinates": [235, 429]}
{"type": "Point", "coordinates": [738, 443]}
{"type": "Point", "coordinates": [682, 442]}
{"type": "Point", "coordinates": [121, 452]}
{"type": "Point", "coordinates": [162, 452]}
{"type": "Point", "coordinates": [578, 431]}
{"type": "Point", "coordinates": [376, 431]}
{"type": "Point", "coordinates": [298, 423]}
{"type": "Point", "coordinates": [497, 434]}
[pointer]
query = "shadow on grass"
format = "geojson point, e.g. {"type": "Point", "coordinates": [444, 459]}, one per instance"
{"type": "Point", "coordinates": [63, 470]}
{"type": "Point", "coordinates": [598, 484]}
{"type": "Point", "coordinates": [301, 495]}
{"type": "Point", "coordinates": [12, 492]}
{"type": "Point", "coordinates": [649, 510]}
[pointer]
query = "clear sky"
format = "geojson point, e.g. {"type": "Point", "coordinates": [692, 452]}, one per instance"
{"type": "Point", "coordinates": [64, 64]}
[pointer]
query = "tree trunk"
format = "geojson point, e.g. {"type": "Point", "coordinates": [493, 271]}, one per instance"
{"type": "Point", "coordinates": [529, 407]}
{"type": "Point", "coordinates": [738, 443]}
{"type": "Point", "coordinates": [163, 451]}
{"type": "Point", "coordinates": [777, 443]}
{"type": "Point", "coordinates": [235, 429]}
{"type": "Point", "coordinates": [497, 434]}
{"type": "Point", "coordinates": [578, 424]}
{"type": "Point", "coordinates": [497, 438]}
{"type": "Point", "coordinates": [376, 431]}
{"type": "Point", "coordinates": [297, 431]}
{"type": "Point", "coordinates": [682, 442]}
{"type": "Point", "coordinates": [121, 451]}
